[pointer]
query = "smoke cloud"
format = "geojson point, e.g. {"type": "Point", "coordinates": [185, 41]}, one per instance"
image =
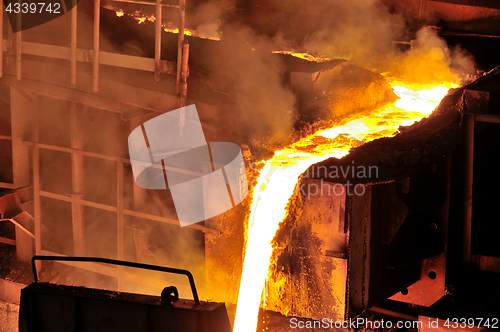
{"type": "Point", "coordinates": [243, 68]}
{"type": "Point", "coordinates": [208, 17]}
{"type": "Point", "coordinates": [362, 31]}
{"type": "Point", "coordinates": [430, 61]}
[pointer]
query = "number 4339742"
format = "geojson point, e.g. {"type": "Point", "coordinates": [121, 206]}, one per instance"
{"type": "Point", "coordinates": [33, 7]}
{"type": "Point", "coordinates": [490, 323]}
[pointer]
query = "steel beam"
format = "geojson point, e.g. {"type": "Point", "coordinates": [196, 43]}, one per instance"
{"type": "Point", "coordinates": [18, 47]}
{"type": "Point", "coordinates": [74, 24]}
{"type": "Point", "coordinates": [1, 39]}
{"type": "Point", "coordinates": [180, 42]}
{"type": "Point", "coordinates": [7, 241]}
{"type": "Point", "coordinates": [184, 74]}
{"type": "Point", "coordinates": [47, 78]}
{"type": "Point", "coordinates": [158, 39]}
{"type": "Point", "coordinates": [95, 72]}
{"type": "Point", "coordinates": [358, 251]}
{"type": "Point", "coordinates": [467, 180]}
{"type": "Point", "coordinates": [37, 203]}
{"type": "Point", "coordinates": [105, 58]}
{"type": "Point", "coordinates": [487, 118]}
{"type": "Point", "coordinates": [22, 104]}
{"type": "Point", "coordinates": [146, 3]}
{"type": "Point", "coordinates": [125, 211]}
{"type": "Point", "coordinates": [119, 219]}
{"type": "Point", "coordinates": [62, 93]}
{"type": "Point", "coordinates": [77, 177]}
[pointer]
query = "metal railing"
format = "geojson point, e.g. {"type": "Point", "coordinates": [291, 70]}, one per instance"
{"type": "Point", "coordinates": [119, 263]}
{"type": "Point", "coordinates": [18, 48]}
{"type": "Point", "coordinates": [95, 55]}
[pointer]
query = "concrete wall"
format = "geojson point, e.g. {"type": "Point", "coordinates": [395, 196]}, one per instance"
{"type": "Point", "coordinates": [9, 313]}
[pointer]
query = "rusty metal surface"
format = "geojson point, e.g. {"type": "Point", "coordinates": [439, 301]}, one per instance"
{"type": "Point", "coordinates": [359, 223]}
{"type": "Point", "coordinates": [476, 101]}
{"type": "Point", "coordinates": [467, 176]}
{"type": "Point", "coordinates": [224, 255]}
{"type": "Point", "coordinates": [487, 263]}
{"type": "Point", "coordinates": [48, 307]}
{"type": "Point", "coordinates": [477, 3]}
{"type": "Point", "coordinates": [456, 15]}
{"type": "Point", "coordinates": [77, 177]}
{"type": "Point", "coordinates": [308, 268]}
{"type": "Point", "coordinates": [431, 286]}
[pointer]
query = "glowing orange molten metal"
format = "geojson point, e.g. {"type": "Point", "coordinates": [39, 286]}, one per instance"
{"type": "Point", "coordinates": [141, 18]}
{"type": "Point", "coordinates": [281, 173]}
{"type": "Point", "coordinates": [186, 31]}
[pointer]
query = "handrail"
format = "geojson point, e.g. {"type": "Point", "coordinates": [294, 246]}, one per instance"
{"type": "Point", "coordinates": [118, 262]}
{"type": "Point", "coordinates": [147, 3]}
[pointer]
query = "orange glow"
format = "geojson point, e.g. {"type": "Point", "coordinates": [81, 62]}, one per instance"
{"type": "Point", "coordinates": [304, 56]}
{"type": "Point", "coordinates": [141, 18]}
{"type": "Point", "coordinates": [186, 31]}
{"type": "Point", "coordinates": [138, 15]}
{"type": "Point", "coordinates": [281, 173]}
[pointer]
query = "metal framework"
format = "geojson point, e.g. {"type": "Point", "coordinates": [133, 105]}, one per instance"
{"type": "Point", "coordinates": [15, 46]}
{"type": "Point", "coordinates": [469, 120]}
{"type": "Point", "coordinates": [96, 56]}
{"type": "Point", "coordinates": [119, 263]}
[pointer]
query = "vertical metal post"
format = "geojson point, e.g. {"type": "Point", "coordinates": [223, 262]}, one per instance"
{"type": "Point", "coordinates": [11, 50]}
{"type": "Point", "coordinates": [184, 74]}
{"type": "Point", "coordinates": [37, 204]}
{"type": "Point", "coordinates": [22, 115]}
{"type": "Point", "coordinates": [74, 22]}
{"type": "Point", "coordinates": [358, 253]}
{"type": "Point", "coordinates": [18, 48]}
{"type": "Point", "coordinates": [97, 17]}
{"type": "Point", "coordinates": [183, 88]}
{"type": "Point", "coordinates": [140, 194]}
{"type": "Point", "coordinates": [1, 39]}
{"type": "Point", "coordinates": [77, 178]}
{"type": "Point", "coordinates": [119, 217]}
{"type": "Point", "coordinates": [468, 168]}
{"type": "Point", "coordinates": [180, 42]}
{"type": "Point", "coordinates": [421, 9]}
{"type": "Point", "coordinates": [158, 39]}
{"type": "Point", "coordinates": [36, 184]}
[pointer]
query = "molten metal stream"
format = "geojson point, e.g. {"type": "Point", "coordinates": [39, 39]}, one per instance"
{"type": "Point", "coordinates": [280, 175]}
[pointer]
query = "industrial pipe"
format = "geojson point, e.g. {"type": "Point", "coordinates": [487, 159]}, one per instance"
{"type": "Point", "coordinates": [180, 42]}
{"type": "Point", "coordinates": [158, 39]}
